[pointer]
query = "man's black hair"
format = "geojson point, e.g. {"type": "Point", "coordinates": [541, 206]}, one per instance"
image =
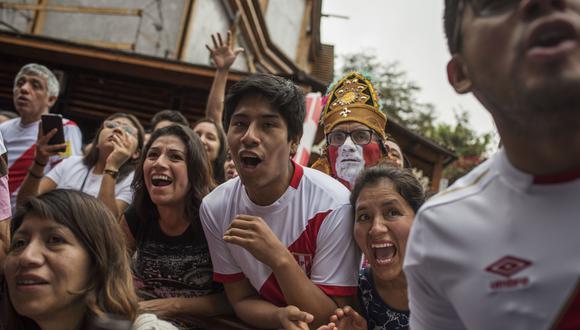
{"type": "Point", "coordinates": [173, 116]}
{"type": "Point", "coordinates": [283, 95]}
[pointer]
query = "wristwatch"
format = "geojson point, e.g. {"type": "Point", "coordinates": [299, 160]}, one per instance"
{"type": "Point", "coordinates": [112, 173]}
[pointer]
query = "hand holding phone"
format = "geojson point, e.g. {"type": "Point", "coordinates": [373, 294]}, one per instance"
{"type": "Point", "coordinates": [50, 122]}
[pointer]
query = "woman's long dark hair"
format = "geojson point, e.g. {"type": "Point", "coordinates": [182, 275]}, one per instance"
{"type": "Point", "coordinates": [218, 163]}
{"type": "Point", "coordinates": [199, 174]}
{"type": "Point", "coordinates": [129, 166]}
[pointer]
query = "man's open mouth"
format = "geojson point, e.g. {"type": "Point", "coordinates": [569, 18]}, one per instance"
{"type": "Point", "coordinates": [250, 161]}
{"type": "Point", "coordinates": [552, 34]}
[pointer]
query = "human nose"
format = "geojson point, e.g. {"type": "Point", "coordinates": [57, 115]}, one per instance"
{"type": "Point", "coordinates": [251, 135]}
{"type": "Point", "coordinates": [348, 144]}
{"type": "Point", "coordinates": [160, 162]}
{"type": "Point", "coordinates": [378, 227]}
{"type": "Point", "coordinates": [24, 88]}
{"type": "Point", "coordinates": [32, 255]}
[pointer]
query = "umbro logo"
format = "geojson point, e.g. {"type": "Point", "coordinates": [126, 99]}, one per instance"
{"type": "Point", "coordinates": [507, 267]}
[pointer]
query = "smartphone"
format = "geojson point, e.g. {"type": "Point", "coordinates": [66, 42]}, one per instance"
{"type": "Point", "coordinates": [50, 122]}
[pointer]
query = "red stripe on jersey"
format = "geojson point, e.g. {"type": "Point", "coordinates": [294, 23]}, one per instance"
{"type": "Point", "coordinates": [228, 278]}
{"type": "Point", "coordinates": [557, 178]}
{"type": "Point", "coordinates": [570, 318]}
{"type": "Point", "coordinates": [69, 122]}
{"type": "Point", "coordinates": [297, 176]}
{"type": "Point", "coordinates": [271, 292]}
{"type": "Point", "coordinates": [17, 172]}
{"type": "Point", "coordinates": [303, 249]}
{"type": "Point", "coordinates": [338, 291]}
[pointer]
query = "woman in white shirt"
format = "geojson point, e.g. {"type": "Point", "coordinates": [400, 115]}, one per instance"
{"type": "Point", "coordinates": [105, 172]}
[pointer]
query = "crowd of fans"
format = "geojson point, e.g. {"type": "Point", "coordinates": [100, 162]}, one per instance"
{"type": "Point", "coordinates": [213, 225]}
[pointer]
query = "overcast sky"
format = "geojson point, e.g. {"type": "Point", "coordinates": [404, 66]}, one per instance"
{"type": "Point", "coordinates": [411, 33]}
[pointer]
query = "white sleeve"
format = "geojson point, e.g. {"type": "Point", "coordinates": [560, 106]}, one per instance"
{"type": "Point", "coordinates": [336, 262]}
{"type": "Point", "coordinates": [5, 208]}
{"type": "Point", "coordinates": [430, 308]}
{"type": "Point", "coordinates": [58, 173]}
{"type": "Point", "coordinates": [2, 147]}
{"type": "Point", "coordinates": [225, 267]}
{"type": "Point", "coordinates": [73, 134]}
{"type": "Point", "coordinates": [123, 189]}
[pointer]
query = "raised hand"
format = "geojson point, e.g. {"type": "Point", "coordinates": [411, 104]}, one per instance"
{"type": "Point", "coordinates": [44, 150]}
{"type": "Point", "coordinates": [123, 148]}
{"type": "Point", "coordinates": [223, 54]}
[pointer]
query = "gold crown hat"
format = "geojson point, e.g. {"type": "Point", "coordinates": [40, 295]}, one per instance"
{"type": "Point", "coordinates": [353, 98]}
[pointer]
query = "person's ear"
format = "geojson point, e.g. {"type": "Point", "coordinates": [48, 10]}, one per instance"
{"type": "Point", "coordinates": [294, 143]}
{"type": "Point", "coordinates": [51, 101]}
{"type": "Point", "coordinates": [458, 75]}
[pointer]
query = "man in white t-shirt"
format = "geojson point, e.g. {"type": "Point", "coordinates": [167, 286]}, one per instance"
{"type": "Point", "coordinates": [500, 248]}
{"type": "Point", "coordinates": [35, 92]}
{"type": "Point", "coordinates": [279, 234]}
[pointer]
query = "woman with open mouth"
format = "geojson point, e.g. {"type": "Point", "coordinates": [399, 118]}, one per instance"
{"type": "Point", "coordinates": [67, 268]}
{"type": "Point", "coordinates": [171, 264]}
{"type": "Point", "coordinates": [385, 200]}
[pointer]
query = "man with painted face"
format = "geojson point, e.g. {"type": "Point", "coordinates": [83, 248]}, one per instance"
{"type": "Point", "coordinates": [354, 128]}
{"type": "Point", "coordinates": [499, 249]}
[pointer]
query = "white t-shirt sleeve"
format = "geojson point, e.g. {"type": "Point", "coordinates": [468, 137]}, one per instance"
{"type": "Point", "coordinates": [429, 307]}
{"type": "Point", "coordinates": [2, 147]}
{"type": "Point", "coordinates": [61, 171]}
{"type": "Point", "coordinates": [74, 136]}
{"type": "Point", "coordinates": [5, 208]}
{"type": "Point", "coordinates": [336, 262]}
{"type": "Point", "coordinates": [225, 267]}
{"type": "Point", "coordinates": [123, 189]}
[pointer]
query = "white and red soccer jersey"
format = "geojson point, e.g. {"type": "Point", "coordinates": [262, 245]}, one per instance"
{"type": "Point", "coordinates": [500, 249]}
{"type": "Point", "coordinates": [20, 141]}
{"type": "Point", "coordinates": [313, 219]}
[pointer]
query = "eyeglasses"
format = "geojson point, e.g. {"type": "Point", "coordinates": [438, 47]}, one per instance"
{"type": "Point", "coordinates": [358, 136]}
{"type": "Point", "coordinates": [481, 8]}
{"type": "Point", "coordinates": [125, 127]}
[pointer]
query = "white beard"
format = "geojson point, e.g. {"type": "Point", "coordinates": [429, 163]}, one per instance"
{"type": "Point", "coordinates": [350, 169]}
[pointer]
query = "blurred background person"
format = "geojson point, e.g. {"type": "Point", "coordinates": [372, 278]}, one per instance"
{"type": "Point", "coordinates": [35, 91]}
{"type": "Point", "coordinates": [106, 172]}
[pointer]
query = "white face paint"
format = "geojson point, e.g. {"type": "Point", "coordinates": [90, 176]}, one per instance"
{"type": "Point", "coordinates": [349, 161]}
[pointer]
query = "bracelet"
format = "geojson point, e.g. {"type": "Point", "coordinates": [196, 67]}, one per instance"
{"type": "Point", "coordinates": [34, 175]}
{"type": "Point", "coordinates": [112, 173]}
{"type": "Point", "coordinates": [39, 163]}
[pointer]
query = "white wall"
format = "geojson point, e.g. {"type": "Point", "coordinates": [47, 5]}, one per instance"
{"type": "Point", "coordinates": [284, 22]}
{"type": "Point", "coordinates": [208, 17]}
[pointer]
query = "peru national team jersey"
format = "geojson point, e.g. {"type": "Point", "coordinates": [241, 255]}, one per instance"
{"type": "Point", "coordinates": [500, 249]}
{"type": "Point", "coordinates": [20, 142]}
{"type": "Point", "coordinates": [312, 218]}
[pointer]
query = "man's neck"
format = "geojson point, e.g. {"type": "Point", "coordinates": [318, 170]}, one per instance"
{"type": "Point", "coordinates": [25, 120]}
{"type": "Point", "coordinates": [543, 154]}
{"type": "Point", "coordinates": [265, 196]}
